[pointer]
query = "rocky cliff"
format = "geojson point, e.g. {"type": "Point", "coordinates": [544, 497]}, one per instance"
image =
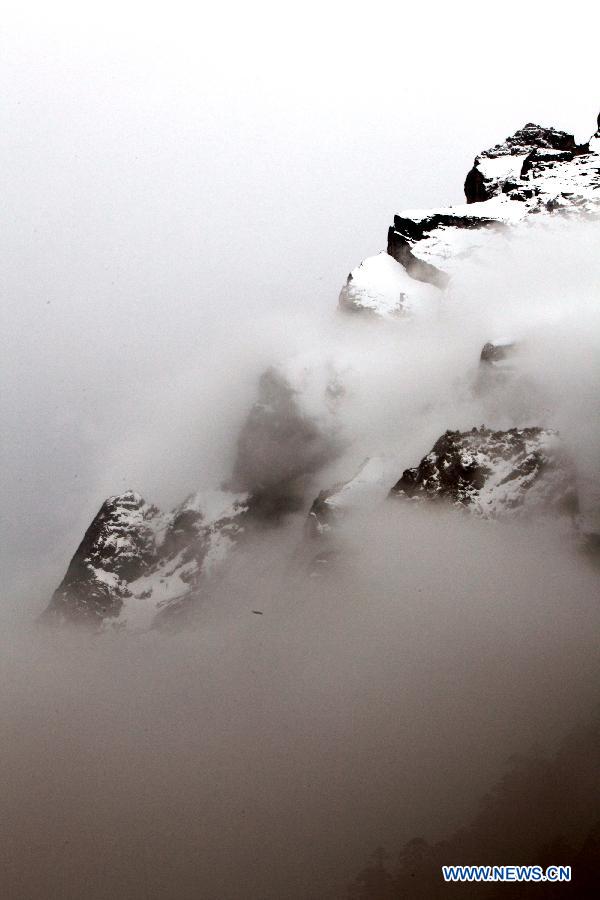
{"type": "Point", "coordinates": [137, 567]}
{"type": "Point", "coordinates": [536, 173]}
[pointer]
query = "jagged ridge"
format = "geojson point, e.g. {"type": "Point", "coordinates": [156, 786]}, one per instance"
{"type": "Point", "coordinates": [536, 172]}
{"type": "Point", "coordinates": [138, 567]}
{"type": "Point", "coordinates": [494, 472]}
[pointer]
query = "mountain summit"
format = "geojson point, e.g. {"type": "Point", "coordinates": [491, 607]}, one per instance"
{"type": "Point", "coordinates": [534, 174]}
{"type": "Point", "coordinates": [138, 568]}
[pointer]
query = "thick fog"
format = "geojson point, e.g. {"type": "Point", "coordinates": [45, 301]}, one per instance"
{"type": "Point", "coordinates": [267, 756]}
{"type": "Point", "coordinates": [184, 196]}
{"type": "Point", "coordinates": [177, 183]}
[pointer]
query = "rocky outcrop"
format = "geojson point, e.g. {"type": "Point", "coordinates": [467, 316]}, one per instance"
{"type": "Point", "coordinates": [283, 441]}
{"type": "Point", "coordinates": [408, 230]}
{"type": "Point", "coordinates": [490, 473]}
{"type": "Point", "coordinates": [508, 392]}
{"type": "Point", "coordinates": [504, 168]}
{"type": "Point", "coordinates": [494, 473]}
{"type": "Point", "coordinates": [536, 172]}
{"type": "Point", "coordinates": [497, 352]}
{"type": "Point", "coordinates": [117, 547]}
{"type": "Point", "coordinates": [136, 566]}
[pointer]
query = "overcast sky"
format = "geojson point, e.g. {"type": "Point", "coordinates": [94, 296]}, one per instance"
{"type": "Point", "coordinates": [174, 173]}
{"type": "Point", "coordinates": [184, 190]}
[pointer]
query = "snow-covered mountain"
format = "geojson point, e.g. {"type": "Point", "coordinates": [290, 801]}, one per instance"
{"type": "Point", "coordinates": [536, 173]}
{"type": "Point", "coordinates": [137, 567]}
{"type": "Point", "coordinates": [495, 473]}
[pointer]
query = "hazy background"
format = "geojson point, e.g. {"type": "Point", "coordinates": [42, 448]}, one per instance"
{"type": "Point", "coordinates": [267, 756]}
{"type": "Point", "coordinates": [184, 193]}
{"type": "Point", "coordinates": [172, 174]}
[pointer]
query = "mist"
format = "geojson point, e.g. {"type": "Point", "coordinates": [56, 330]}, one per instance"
{"type": "Point", "coordinates": [185, 197]}
{"type": "Point", "coordinates": [302, 722]}
{"type": "Point", "coordinates": [172, 176]}
{"type": "Point", "coordinates": [266, 756]}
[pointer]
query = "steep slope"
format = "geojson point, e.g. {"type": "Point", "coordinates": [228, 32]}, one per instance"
{"type": "Point", "coordinates": [381, 286]}
{"type": "Point", "coordinates": [491, 474]}
{"type": "Point", "coordinates": [535, 173]}
{"type": "Point", "coordinates": [138, 568]}
{"type": "Point", "coordinates": [118, 546]}
{"type": "Point", "coordinates": [495, 473]}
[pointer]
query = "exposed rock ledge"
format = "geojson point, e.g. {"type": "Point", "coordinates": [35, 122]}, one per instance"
{"type": "Point", "coordinates": [495, 473]}
{"type": "Point", "coordinates": [537, 172]}
{"type": "Point", "coordinates": [491, 474]}
{"type": "Point", "coordinates": [137, 567]}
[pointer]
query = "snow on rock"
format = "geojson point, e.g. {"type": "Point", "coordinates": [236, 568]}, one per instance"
{"type": "Point", "coordinates": [381, 286]}
{"type": "Point", "coordinates": [495, 473]}
{"type": "Point", "coordinates": [535, 173]}
{"type": "Point", "coordinates": [498, 168]}
{"type": "Point", "coordinates": [200, 535]}
{"type": "Point", "coordinates": [136, 566]}
{"type": "Point", "coordinates": [119, 544]}
{"type": "Point", "coordinates": [537, 170]}
{"type": "Point", "coordinates": [513, 473]}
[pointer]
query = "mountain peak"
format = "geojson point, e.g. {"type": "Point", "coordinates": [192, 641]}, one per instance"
{"type": "Point", "coordinates": [537, 171]}
{"type": "Point", "coordinates": [138, 567]}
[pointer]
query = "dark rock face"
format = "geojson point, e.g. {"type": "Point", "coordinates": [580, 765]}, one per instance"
{"type": "Point", "coordinates": [117, 547]}
{"type": "Point", "coordinates": [532, 148]}
{"type": "Point", "coordinates": [406, 232]}
{"type": "Point", "coordinates": [475, 188]}
{"type": "Point", "coordinates": [279, 446]}
{"type": "Point", "coordinates": [136, 564]}
{"type": "Point", "coordinates": [494, 472]}
{"type": "Point", "coordinates": [448, 471]}
{"type": "Point", "coordinates": [543, 169]}
{"type": "Point", "coordinates": [536, 136]}
{"type": "Point", "coordinates": [535, 171]}
{"type": "Point", "coordinates": [497, 352]}
{"type": "Point", "coordinates": [399, 247]}
{"type": "Point", "coordinates": [137, 567]}
{"type": "Point", "coordinates": [501, 382]}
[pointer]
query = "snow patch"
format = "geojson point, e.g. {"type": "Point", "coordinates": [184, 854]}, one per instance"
{"type": "Point", "coordinates": [382, 285]}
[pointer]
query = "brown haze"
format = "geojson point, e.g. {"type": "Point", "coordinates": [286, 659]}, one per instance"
{"type": "Point", "coordinates": [184, 195]}
{"type": "Point", "coordinates": [265, 756]}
